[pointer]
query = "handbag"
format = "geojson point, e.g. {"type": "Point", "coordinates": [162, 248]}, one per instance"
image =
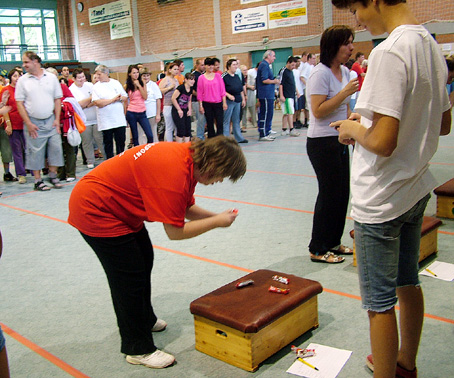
{"type": "Point", "coordinates": [73, 135]}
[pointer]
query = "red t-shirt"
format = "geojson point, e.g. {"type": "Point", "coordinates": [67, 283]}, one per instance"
{"type": "Point", "coordinates": [16, 120]}
{"type": "Point", "coordinates": [153, 183]}
{"type": "Point", "coordinates": [359, 70]}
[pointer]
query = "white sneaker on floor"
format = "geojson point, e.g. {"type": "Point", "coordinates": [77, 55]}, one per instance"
{"type": "Point", "coordinates": [69, 179]}
{"type": "Point", "coordinates": [159, 326]}
{"type": "Point", "coordinates": [285, 132]}
{"type": "Point", "coordinates": [273, 132]}
{"type": "Point", "coordinates": [266, 139]}
{"type": "Point", "coordinates": [294, 133]}
{"type": "Point", "coordinates": [156, 360]}
{"type": "Point", "coordinates": [90, 166]}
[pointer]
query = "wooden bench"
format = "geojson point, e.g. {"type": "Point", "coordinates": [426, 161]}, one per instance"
{"type": "Point", "coordinates": [245, 326]}
{"type": "Point", "coordinates": [445, 199]}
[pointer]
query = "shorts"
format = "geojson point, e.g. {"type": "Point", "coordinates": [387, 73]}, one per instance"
{"type": "Point", "coordinates": [288, 107]}
{"type": "Point", "coordinates": [48, 140]}
{"type": "Point", "coordinates": [387, 255]}
{"type": "Point", "coordinates": [2, 340]}
{"type": "Point", "coordinates": [301, 102]}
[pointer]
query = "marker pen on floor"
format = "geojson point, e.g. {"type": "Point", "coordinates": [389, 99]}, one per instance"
{"type": "Point", "coordinates": [307, 363]}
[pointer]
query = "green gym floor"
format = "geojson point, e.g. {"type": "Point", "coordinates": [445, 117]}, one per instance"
{"type": "Point", "coordinates": [55, 306]}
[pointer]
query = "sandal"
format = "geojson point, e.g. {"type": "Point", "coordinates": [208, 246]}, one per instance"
{"type": "Point", "coordinates": [328, 257]}
{"type": "Point", "coordinates": [342, 250]}
{"type": "Point", "coordinates": [56, 183]}
{"type": "Point", "coordinates": [41, 187]}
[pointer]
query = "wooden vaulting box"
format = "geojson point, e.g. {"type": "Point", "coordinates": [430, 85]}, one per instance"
{"type": "Point", "coordinates": [445, 199]}
{"type": "Point", "coordinates": [245, 326]}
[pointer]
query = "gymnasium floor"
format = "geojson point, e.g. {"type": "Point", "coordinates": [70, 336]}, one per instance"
{"type": "Point", "coordinates": [55, 306]}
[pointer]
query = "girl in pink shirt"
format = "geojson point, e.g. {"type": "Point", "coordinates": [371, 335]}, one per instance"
{"type": "Point", "coordinates": [136, 111]}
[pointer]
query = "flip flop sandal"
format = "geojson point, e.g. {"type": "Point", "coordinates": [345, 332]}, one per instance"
{"type": "Point", "coordinates": [342, 250]}
{"type": "Point", "coordinates": [326, 258]}
{"type": "Point", "coordinates": [41, 187]}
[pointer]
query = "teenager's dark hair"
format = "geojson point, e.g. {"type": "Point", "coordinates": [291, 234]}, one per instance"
{"type": "Point", "coordinates": [342, 4]}
{"type": "Point", "coordinates": [77, 71]}
{"type": "Point", "coordinates": [292, 59]}
{"type": "Point", "coordinates": [229, 63]}
{"type": "Point", "coordinates": [178, 61]}
{"type": "Point", "coordinates": [332, 39]}
{"type": "Point", "coordinates": [358, 54]}
{"type": "Point", "coordinates": [130, 87]}
{"type": "Point", "coordinates": [449, 63]}
{"type": "Point", "coordinates": [216, 60]}
{"type": "Point", "coordinates": [349, 64]}
{"type": "Point", "coordinates": [189, 76]}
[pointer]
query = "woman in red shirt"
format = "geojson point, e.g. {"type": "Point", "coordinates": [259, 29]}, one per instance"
{"type": "Point", "coordinates": [15, 125]}
{"type": "Point", "coordinates": [153, 183]}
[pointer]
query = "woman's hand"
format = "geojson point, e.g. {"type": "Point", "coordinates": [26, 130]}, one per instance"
{"type": "Point", "coordinates": [226, 218]}
{"type": "Point", "coordinates": [351, 87]}
{"type": "Point", "coordinates": [180, 113]}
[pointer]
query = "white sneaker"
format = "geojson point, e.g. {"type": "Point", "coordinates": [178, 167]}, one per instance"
{"type": "Point", "coordinates": [70, 179]}
{"type": "Point", "coordinates": [272, 136]}
{"type": "Point", "coordinates": [266, 139]}
{"type": "Point", "coordinates": [90, 166]}
{"type": "Point", "coordinates": [294, 133]}
{"type": "Point", "coordinates": [156, 360]}
{"type": "Point", "coordinates": [159, 326]}
{"type": "Point", "coordinates": [273, 132]}
{"type": "Point", "coordinates": [285, 132]}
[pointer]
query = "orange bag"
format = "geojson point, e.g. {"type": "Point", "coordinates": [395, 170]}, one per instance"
{"type": "Point", "coordinates": [79, 123]}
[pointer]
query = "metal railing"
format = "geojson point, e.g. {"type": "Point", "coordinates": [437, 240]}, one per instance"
{"type": "Point", "coordinates": [13, 53]}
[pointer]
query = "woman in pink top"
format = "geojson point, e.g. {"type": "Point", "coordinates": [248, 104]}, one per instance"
{"type": "Point", "coordinates": [211, 97]}
{"type": "Point", "coordinates": [137, 110]}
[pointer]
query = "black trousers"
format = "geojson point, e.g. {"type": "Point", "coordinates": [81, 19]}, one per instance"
{"type": "Point", "coordinates": [330, 160]}
{"type": "Point", "coordinates": [127, 261]}
{"type": "Point", "coordinates": [119, 133]}
{"type": "Point", "coordinates": [214, 111]}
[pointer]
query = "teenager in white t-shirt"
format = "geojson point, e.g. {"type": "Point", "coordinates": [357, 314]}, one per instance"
{"type": "Point", "coordinates": [404, 108]}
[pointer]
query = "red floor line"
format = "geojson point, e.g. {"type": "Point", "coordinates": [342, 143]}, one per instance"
{"type": "Point", "coordinates": [44, 353]}
{"type": "Point", "coordinates": [33, 213]}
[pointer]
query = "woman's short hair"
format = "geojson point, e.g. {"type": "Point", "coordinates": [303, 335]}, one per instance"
{"type": "Point", "coordinates": [189, 76]}
{"type": "Point", "coordinates": [171, 65]}
{"type": "Point", "coordinates": [229, 63]}
{"type": "Point", "coordinates": [209, 62]}
{"type": "Point", "coordinates": [102, 68]}
{"type": "Point", "coordinates": [219, 157]}
{"type": "Point", "coordinates": [12, 72]}
{"type": "Point", "coordinates": [332, 39]}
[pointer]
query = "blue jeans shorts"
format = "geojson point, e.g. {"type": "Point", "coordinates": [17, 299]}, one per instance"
{"type": "Point", "coordinates": [387, 255]}
{"type": "Point", "coordinates": [2, 340]}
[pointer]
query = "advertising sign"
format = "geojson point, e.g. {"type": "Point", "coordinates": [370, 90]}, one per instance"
{"type": "Point", "coordinates": [109, 12]}
{"type": "Point", "coordinates": [247, 20]}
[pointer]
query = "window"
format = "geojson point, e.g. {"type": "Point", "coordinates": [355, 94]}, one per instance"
{"type": "Point", "coordinates": [28, 29]}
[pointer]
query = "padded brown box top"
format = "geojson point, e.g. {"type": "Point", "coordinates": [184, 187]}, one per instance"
{"type": "Point", "coordinates": [447, 189]}
{"type": "Point", "coordinates": [430, 224]}
{"type": "Point", "coordinates": [252, 307]}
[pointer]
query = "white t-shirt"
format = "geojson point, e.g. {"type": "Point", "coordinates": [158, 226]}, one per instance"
{"type": "Point", "coordinates": [353, 75]}
{"type": "Point", "coordinates": [323, 82]}
{"type": "Point", "coordinates": [406, 79]}
{"type": "Point", "coordinates": [112, 115]}
{"type": "Point", "coordinates": [81, 94]}
{"type": "Point", "coordinates": [298, 83]}
{"type": "Point", "coordinates": [154, 93]}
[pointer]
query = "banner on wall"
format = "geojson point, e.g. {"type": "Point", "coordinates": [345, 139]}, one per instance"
{"type": "Point", "coordinates": [291, 13]}
{"type": "Point", "coordinates": [121, 28]}
{"type": "Point", "coordinates": [109, 12]}
{"type": "Point", "coordinates": [247, 20]}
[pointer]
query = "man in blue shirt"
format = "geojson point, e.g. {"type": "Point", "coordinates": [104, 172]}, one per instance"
{"type": "Point", "coordinates": [265, 93]}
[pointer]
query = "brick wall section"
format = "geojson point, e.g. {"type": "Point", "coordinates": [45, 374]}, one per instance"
{"type": "Point", "coordinates": [95, 42]}
{"type": "Point", "coordinates": [314, 26]}
{"type": "Point", "coordinates": [175, 26]}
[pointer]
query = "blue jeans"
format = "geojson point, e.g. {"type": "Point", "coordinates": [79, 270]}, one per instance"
{"type": "Point", "coordinates": [133, 118]}
{"type": "Point", "coordinates": [387, 255]}
{"type": "Point", "coordinates": [266, 112]}
{"type": "Point", "coordinates": [233, 114]}
{"type": "Point", "coordinates": [201, 121]}
{"type": "Point", "coordinates": [119, 133]}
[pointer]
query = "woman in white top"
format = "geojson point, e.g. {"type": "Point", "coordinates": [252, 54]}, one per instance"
{"type": "Point", "coordinates": [153, 104]}
{"type": "Point", "coordinates": [167, 87]}
{"type": "Point", "coordinates": [111, 99]}
{"type": "Point", "coordinates": [328, 93]}
{"type": "Point", "coordinates": [82, 92]}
